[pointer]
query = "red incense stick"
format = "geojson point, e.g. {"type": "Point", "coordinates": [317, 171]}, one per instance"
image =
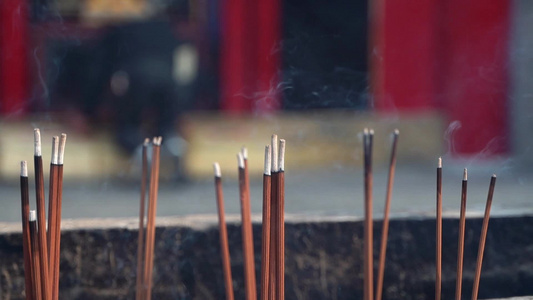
{"type": "Point", "coordinates": [36, 269]}
{"type": "Point", "coordinates": [368, 236]}
{"type": "Point", "coordinates": [142, 213]}
{"type": "Point", "coordinates": [26, 239]}
{"type": "Point", "coordinates": [280, 218]}
{"type": "Point", "coordinates": [248, 251]}
{"type": "Point", "coordinates": [460, 244]}
{"type": "Point", "coordinates": [226, 263]}
{"type": "Point", "coordinates": [385, 230]}
{"type": "Point", "coordinates": [265, 244]}
{"type": "Point", "coordinates": [41, 215]}
{"type": "Point", "coordinates": [438, 263]}
{"type": "Point", "coordinates": [483, 237]}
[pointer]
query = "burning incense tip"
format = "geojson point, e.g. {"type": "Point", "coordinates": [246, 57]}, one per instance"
{"type": "Point", "coordinates": [365, 131]}
{"type": "Point", "coordinates": [274, 149]}
{"type": "Point", "coordinates": [440, 162]}
{"type": "Point", "coordinates": [55, 149]}
{"type": "Point", "coordinates": [61, 154]}
{"type": "Point", "coordinates": [268, 160]}
{"type": "Point", "coordinates": [37, 141]}
{"type": "Point", "coordinates": [465, 175]}
{"type": "Point", "coordinates": [396, 132]}
{"type": "Point", "coordinates": [24, 168]}
{"type": "Point", "coordinates": [282, 155]}
{"type": "Point", "coordinates": [371, 132]}
{"type": "Point", "coordinates": [216, 168]}
{"type": "Point", "coordinates": [244, 152]}
{"type": "Point", "coordinates": [146, 142]}
{"type": "Point", "coordinates": [240, 160]}
{"type": "Point", "coordinates": [160, 141]}
{"type": "Point", "coordinates": [33, 215]}
{"type": "Point", "coordinates": [493, 175]}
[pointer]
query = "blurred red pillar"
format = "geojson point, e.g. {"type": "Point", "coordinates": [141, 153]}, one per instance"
{"type": "Point", "coordinates": [445, 54]}
{"type": "Point", "coordinates": [402, 50]}
{"type": "Point", "coordinates": [13, 55]}
{"type": "Point", "coordinates": [475, 75]}
{"type": "Point", "coordinates": [249, 65]}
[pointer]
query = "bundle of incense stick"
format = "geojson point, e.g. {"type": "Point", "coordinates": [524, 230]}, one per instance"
{"type": "Point", "coordinates": [41, 247]}
{"type": "Point", "coordinates": [145, 247]}
{"type": "Point", "coordinates": [461, 236]}
{"type": "Point", "coordinates": [273, 231]}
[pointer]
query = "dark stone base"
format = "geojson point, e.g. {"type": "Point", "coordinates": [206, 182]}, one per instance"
{"type": "Point", "coordinates": [323, 260]}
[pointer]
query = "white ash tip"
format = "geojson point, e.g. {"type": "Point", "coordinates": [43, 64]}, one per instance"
{"type": "Point", "coordinates": [37, 141]}
{"type": "Point", "coordinates": [62, 143]}
{"type": "Point", "coordinates": [371, 131]}
{"type": "Point", "coordinates": [216, 168]}
{"type": "Point", "coordinates": [146, 142]}
{"type": "Point", "coordinates": [33, 216]}
{"type": "Point", "coordinates": [244, 152]}
{"type": "Point", "coordinates": [493, 175]}
{"type": "Point", "coordinates": [274, 150]}
{"type": "Point", "coordinates": [55, 150]}
{"type": "Point", "coordinates": [160, 140]}
{"type": "Point", "coordinates": [240, 160]}
{"type": "Point", "coordinates": [365, 131]}
{"type": "Point", "coordinates": [440, 162]}
{"type": "Point", "coordinates": [268, 160]}
{"type": "Point", "coordinates": [396, 132]}
{"type": "Point", "coordinates": [281, 155]}
{"type": "Point", "coordinates": [24, 168]}
{"type": "Point", "coordinates": [465, 175]}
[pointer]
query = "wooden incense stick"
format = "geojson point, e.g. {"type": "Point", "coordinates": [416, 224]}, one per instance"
{"type": "Point", "coordinates": [58, 206]}
{"type": "Point", "coordinates": [273, 216]}
{"type": "Point", "coordinates": [280, 218]}
{"type": "Point", "coordinates": [248, 250]}
{"type": "Point", "coordinates": [244, 152]}
{"type": "Point", "coordinates": [224, 246]}
{"type": "Point", "coordinates": [438, 262]}
{"type": "Point", "coordinates": [265, 239]}
{"type": "Point", "coordinates": [26, 239]}
{"type": "Point", "coordinates": [37, 285]}
{"type": "Point", "coordinates": [142, 213]}
{"type": "Point", "coordinates": [483, 238]}
{"type": "Point", "coordinates": [41, 215]}
{"type": "Point", "coordinates": [461, 242]}
{"type": "Point", "coordinates": [152, 211]}
{"type": "Point", "coordinates": [368, 236]}
{"type": "Point", "coordinates": [52, 209]}
{"type": "Point", "coordinates": [385, 229]}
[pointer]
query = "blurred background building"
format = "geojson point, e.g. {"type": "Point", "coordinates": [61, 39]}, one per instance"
{"type": "Point", "coordinates": [212, 72]}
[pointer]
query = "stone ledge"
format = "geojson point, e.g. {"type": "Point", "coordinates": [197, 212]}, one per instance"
{"type": "Point", "coordinates": [323, 259]}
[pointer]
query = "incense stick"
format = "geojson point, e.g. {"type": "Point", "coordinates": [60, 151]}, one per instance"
{"type": "Point", "coordinates": [273, 215]}
{"type": "Point", "coordinates": [265, 240]}
{"type": "Point", "coordinates": [224, 247]}
{"type": "Point", "coordinates": [280, 218]}
{"type": "Point", "coordinates": [26, 239]}
{"type": "Point", "coordinates": [52, 210]}
{"type": "Point", "coordinates": [37, 287]}
{"type": "Point", "coordinates": [483, 238]}
{"type": "Point", "coordinates": [251, 258]}
{"type": "Point", "coordinates": [385, 230]}
{"type": "Point", "coordinates": [248, 250]}
{"type": "Point", "coordinates": [438, 263]}
{"type": "Point", "coordinates": [59, 204]}
{"type": "Point", "coordinates": [152, 211]}
{"type": "Point", "coordinates": [41, 215]}
{"type": "Point", "coordinates": [368, 257]}
{"type": "Point", "coordinates": [142, 213]}
{"type": "Point", "coordinates": [460, 245]}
